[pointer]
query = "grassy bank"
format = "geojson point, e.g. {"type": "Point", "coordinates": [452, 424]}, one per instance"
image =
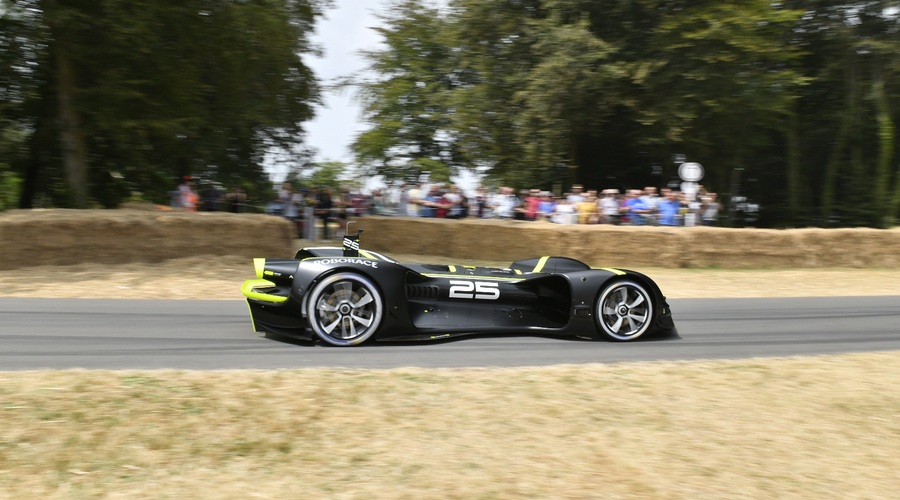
{"type": "Point", "coordinates": [794, 427]}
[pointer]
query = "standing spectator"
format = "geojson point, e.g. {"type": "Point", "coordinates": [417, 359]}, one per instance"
{"type": "Point", "coordinates": [693, 217]}
{"type": "Point", "coordinates": [684, 211]}
{"type": "Point", "coordinates": [284, 194]}
{"type": "Point", "coordinates": [342, 205]}
{"type": "Point", "coordinates": [310, 202]}
{"type": "Point", "coordinates": [710, 210]}
{"type": "Point", "coordinates": [630, 215]}
{"type": "Point", "coordinates": [519, 205]}
{"type": "Point", "coordinates": [187, 197]}
{"type": "Point", "coordinates": [532, 202]}
{"type": "Point", "coordinates": [441, 205]}
{"type": "Point", "coordinates": [464, 204]}
{"type": "Point", "coordinates": [587, 209]}
{"type": "Point", "coordinates": [458, 203]}
{"type": "Point", "coordinates": [637, 210]}
{"type": "Point", "coordinates": [481, 203]}
{"type": "Point", "coordinates": [361, 205]}
{"type": "Point", "coordinates": [429, 204]}
{"type": "Point", "coordinates": [414, 196]}
{"type": "Point", "coordinates": [236, 200]}
{"type": "Point", "coordinates": [564, 213]}
{"type": "Point", "coordinates": [651, 202]}
{"type": "Point", "coordinates": [290, 201]}
{"type": "Point", "coordinates": [402, 201]}
{"type": "Point", "coordinates": [210, 198]}
{"type": "Point", "coordinates": [546, 207]}
{"type": "Point", "coordinates": [576, 196]}
{"type": "Point", "coordinates": [324, 205]}
{"type": "Point", "coordinates": [609, 206]}
{"type": "Point", "coordinates": [504, 203]}
{"type": "Point", "coordinates": [668, 208]}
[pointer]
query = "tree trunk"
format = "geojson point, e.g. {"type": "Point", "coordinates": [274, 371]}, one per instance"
{"type": "Point", "coordinates": [837, 151]}
{"type": "Point", "coordinates": [74, 150]}
{"type": "Point", "coordinates": [71, 134]}
{"type": "Point", "coordinates": [883, 205]}
{"type": "Point", "coordinates": [795, 182]}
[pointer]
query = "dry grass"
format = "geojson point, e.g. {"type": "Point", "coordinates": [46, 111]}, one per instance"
{"type": "Point", "coordinates": [826, 427]}
{"type": "Point", "coordinates": [818, 427]}
{"type": "Point", "coordinates": [221, 278]}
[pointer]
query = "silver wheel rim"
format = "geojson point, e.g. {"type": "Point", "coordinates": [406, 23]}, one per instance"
{"type": "Point", "coordinates": [624, 311]}
{"type": "Point", "coordinates": [344, 309]}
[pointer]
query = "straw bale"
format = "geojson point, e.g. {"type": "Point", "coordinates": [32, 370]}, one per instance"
{"type": "Point", "coordinates": [850, 247]}
{"type": "Point", "coordinates": [636, 246]}
{"type": "Point", "coordinates": [61, 237]}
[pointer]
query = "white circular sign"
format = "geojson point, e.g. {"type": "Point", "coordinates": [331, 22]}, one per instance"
{"type": "Point", "coordinates": [690, 172]}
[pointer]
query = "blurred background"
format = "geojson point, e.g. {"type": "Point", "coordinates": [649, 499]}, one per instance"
{"type": "Point", "coordinates": [791, 107]}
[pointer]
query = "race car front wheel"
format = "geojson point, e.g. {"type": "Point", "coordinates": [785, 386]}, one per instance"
{"type": "Point", "coordinates": [345, 309]}
{"type": "Point", "coordinates": [624, 311]}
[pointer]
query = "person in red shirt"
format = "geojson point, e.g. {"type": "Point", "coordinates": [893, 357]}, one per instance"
{"type": "Point", "coordinates": [532, 202]}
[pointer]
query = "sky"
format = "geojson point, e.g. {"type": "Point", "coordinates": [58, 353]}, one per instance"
{"type": "Point", "coordinates": [342, 33]}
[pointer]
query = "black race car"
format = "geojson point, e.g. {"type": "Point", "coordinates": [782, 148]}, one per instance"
{"type": "Point", "coordinates": [345, 296]}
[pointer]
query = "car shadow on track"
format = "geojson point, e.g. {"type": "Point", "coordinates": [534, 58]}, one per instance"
{"type": "Point", "coordinates": [669, 336]}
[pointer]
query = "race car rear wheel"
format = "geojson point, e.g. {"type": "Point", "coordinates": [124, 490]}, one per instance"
{"type": "Point", "coordinates": [345, 309]}
{"type": "Point", "coordinates": [624, 311]}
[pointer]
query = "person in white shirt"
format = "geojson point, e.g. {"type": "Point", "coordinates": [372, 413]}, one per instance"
{"type": "Point", "coordinates": [564, 213]}
{"type": "Point", "coordinates": [610, 207]}
{"type": "Point", "coordinates": [414, 196]}
{"type": "Point", "coordinates": [577, 195]}
{"type": "Point", "coordinates": [651, 201]}
{"type": "Point", "coordinates": [504, 203]}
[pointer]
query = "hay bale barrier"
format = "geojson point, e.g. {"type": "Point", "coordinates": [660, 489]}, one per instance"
{"type": "Point", "coordinates": [61, 237]}
{"type": "Point", "coordinates": [636, 246]}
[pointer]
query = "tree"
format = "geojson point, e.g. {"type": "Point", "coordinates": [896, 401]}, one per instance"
{"type": "Point", "coordinates": [774, 98]}
{"type": "Point", "coordinates": [408, 101]}
{"type": "Point", "coordinates": [852, 52]}
{"type": "Point", "coordinates": [721, 81]}
{"type": "Point", "coordinates": [326, 174]}
{"type": "Point", "coordinates": [157, 91]}
{"type": "Point", "coordinates": [493, 42]}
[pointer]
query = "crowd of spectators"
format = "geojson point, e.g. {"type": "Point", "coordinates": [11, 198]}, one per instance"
{"type": "Point", "coordinates": [210, 198]}
{"type": "Point", "coordinates": [325, 207]}
{"type": "Point", "coordinates": [436, 200]}
{"type": "Point", "coordinates": [634, 207]}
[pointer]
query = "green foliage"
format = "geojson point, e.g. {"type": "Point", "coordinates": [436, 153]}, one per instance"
{"type": "Point", "coordinates": [791, 103]}
{"type": "Point", "coordinates": [411, 103]}
{"type": "Point", "coordinates": [160, 90]}
{"type": "Point", "coordinates": [10, 185]}
{"type": "Point", "coordinates": [327, 174]}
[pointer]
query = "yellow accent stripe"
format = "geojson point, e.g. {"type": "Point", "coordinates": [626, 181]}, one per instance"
{"type": "Point", "coordinates": [452, 268]}
{"type": "Point", "coordinates": [612, 270]}
{"type": "Point", "coordinates": [470, 277]}
{"type": "Point", "coordinates": [518, 271]}
{"type": "Point", "coordinates": [367, 255]}
{"type": "Point", "coordinates": [540, 264]}
{"type": "Point", "coordinates": [248, 290]}
{"type": "Point", "coordinates": [259, 264]}
{"type": "Point", "coordinates": [252, 321]}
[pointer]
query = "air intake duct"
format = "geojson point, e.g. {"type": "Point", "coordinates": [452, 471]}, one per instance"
{"type": "Point", "coordinates": [279, 271]}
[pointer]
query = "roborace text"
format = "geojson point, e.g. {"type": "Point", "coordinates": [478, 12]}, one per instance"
{"type": "Point", "coordinates": [363, 262]}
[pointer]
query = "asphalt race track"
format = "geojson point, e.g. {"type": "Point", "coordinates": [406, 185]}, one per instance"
{"type": "Point", "coordinates": [206, 335]}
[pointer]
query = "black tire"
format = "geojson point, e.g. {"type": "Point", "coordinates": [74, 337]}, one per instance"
{"type": "Point", "coordinates": [624, 311]}
{"type": "Point", "coordinates": [345, 309]}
